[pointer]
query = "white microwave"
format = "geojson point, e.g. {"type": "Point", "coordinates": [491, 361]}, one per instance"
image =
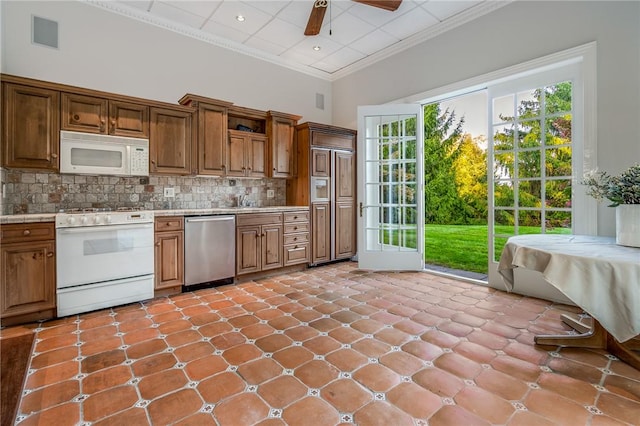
{"type": "Point", "coordinates": [90, 154]}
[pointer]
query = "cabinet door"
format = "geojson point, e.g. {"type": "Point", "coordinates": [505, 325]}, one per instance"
{"type": "Point", "coordinates": [169, 259]}
{"type": "Point", "coordinates": [248, 249]}
{"type": "Point", "coordinates": [321, 233]}
{"type": "Point", "coordinates": [212, 140]}
{"type": "Point", "coordinates": [84, 113]}
{"type": "Point", "coordinates": [345, 184]}
{"type": "Point", "coordinates": [236, 154]}
{"type": "Point", "coordinates": [271, 247]}
{"type": "Point", "coordinates": [127, 119]}
{"type": "Point", "coordinates": [170, 139]}
{"type": "Point", "coordinates": [28, 278]}
{"type": "Point", "coordinates": [320, 162]}
{"type": "Point", "coordinates": [282, 148]}
{"type": "Point", "coordinates": [257, 155]}
{"type": "Point", "coordinates": [345, 229]}
{"type": "Point", "coordinates": [31, 135]}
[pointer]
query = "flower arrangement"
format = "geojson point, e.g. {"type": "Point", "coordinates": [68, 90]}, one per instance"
{"type": "Point", "coordinates": [621, 189]}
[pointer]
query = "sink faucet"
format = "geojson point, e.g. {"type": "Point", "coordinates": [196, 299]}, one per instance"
{"type": "Point", "coordinates": [242, 200]}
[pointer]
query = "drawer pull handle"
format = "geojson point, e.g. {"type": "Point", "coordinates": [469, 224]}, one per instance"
{"type": "Point", "coordinates": [76, 117]}
{"type": "Point", "coordinates": [158, 244]}
{"type": "Point", "coordinates": [50, 254]}
{"type": "Point", "coordinates": [295, 217]}
{"type": "Point", "coordinates": [26, 232]}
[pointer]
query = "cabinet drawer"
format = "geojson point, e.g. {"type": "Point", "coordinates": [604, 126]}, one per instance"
{"type": "Point", "coordinates": [296, 238]}
{"type": "Point", "coordinates": [301, 216]}
{"type": "Point", "coordinates": [15, 233]}
{"type": "Point", "coordinates": [169, 223]}
{"type": "Point", "coordinates": [295, 254]}
{"type": "Point", "coordinates": [258, 219]}
{"type": "Point", "coordinates": [291, 228]}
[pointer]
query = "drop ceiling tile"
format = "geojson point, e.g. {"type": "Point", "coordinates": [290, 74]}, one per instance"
{"type": "Point", "coordinates": [300, 57]}
{"type": "Point", "coordinates": [272, 7]}
{"type": "Point", "coordinates": [199, 8]}
{"type": "Point", "coordinates": [296, 13]}
{"type": "Point", "coordinates": [410, 23]}
{"type": "Point", "coordinates": [347, 28]}
{"type": "Point", "coordinates": [176, 15]}
{"type": "Point", "coordinates": [343, 57]}
{"type": "Point", "coordinates": [265, 46]}
{"type": "Point", "coordinates": [228, 10]}
{"type": "Point", "coordinates": [281, 33]}
{"type": "Point", "coordinates": [327, 46]}
{"type": "Point", "coordinates": [138, 4]}
{"type": "Point", "coordinates": [373, 42]}
{"type": "Point", "coordinates": [378, 17]}
{"type": "Point", "coordinates": [323, 66]}
{"type": "Point", "coordinates": [225, 32]}
{"type": "Point", "coordinates": [446, 9]}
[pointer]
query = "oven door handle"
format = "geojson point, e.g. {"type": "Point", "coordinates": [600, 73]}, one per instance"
{"type": "Point", "coordinates": [103, 228]}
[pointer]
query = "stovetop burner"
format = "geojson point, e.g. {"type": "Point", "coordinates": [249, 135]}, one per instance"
{"type": "Point", "coordinates": [100, 210]}
{"type": "Point", "coordinates": [102, 216]}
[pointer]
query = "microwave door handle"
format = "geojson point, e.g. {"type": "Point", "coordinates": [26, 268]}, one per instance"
{"type": "Point", "coordinates": [103, 228]}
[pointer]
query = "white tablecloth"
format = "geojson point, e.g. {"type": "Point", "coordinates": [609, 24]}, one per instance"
{"type": "Point", "coordinates": [595, 273]}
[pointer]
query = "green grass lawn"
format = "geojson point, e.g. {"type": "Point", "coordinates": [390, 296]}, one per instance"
{"type": "Point", "coordinates": [465, 246]}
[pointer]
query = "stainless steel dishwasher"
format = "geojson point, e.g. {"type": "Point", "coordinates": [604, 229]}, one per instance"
{"type": "Point", "coordinates": [209, 249]}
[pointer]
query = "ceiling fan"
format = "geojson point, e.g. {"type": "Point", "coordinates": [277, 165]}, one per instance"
{"type": "Point", "coordinates": [320, 7]}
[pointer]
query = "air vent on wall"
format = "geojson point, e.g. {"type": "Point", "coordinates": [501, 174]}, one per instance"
{"type": "Point", "coordinates": [44, 32]}
{"type": "Point", "coordinates": [320, 101]}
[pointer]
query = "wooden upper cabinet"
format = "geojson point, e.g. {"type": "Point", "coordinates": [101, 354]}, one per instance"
{"type": "Point", "coordinates": [81, 113]}
{"type": "Point", "coordinates": [281, 131]}
{"type": "Point", "coordinates": [345, 176]}
{"type": "Point", "coordinates": [31, 127]}
{"type": "Point", "coordinates": [320, 162]}
{"type": "Point", "coordinates": [246, 154]}
{"type": "Point", "coordinates": [170, 140]}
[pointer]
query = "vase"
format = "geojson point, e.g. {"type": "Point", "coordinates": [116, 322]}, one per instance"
{"type": "Point", "coordinates": [628, 225]}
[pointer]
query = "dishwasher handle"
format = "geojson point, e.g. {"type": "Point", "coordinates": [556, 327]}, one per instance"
{"type": "Point", "coordinates": [209, 219]}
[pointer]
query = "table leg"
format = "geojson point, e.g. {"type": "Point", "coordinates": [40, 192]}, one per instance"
{"type": "Point", "coordinates": [595, 338]}
{"type": "Point", "coordinates": [575, 321]}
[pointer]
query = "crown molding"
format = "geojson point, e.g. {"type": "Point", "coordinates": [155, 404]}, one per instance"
{"type": "Point", "coordinates": [468, 15]}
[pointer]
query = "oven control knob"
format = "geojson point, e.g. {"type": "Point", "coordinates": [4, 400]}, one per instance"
{"type": "Point", "coordinates": [83, 220]}
{"type": "Point", "coordinates": [71, 220]}
{"type": "Point", "coordinates": [96, 219]}
{"type": "Point", "coordinates": [107, 219]}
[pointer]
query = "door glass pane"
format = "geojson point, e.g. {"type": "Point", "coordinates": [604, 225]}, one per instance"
{"type": "Point", "coordinates": [558, 193]}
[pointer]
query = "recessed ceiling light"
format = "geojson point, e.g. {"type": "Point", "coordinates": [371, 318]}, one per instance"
{"type": "Point", "coordinates": [240, 18]}
{"type": "Point", "coordinates": [316, 48]}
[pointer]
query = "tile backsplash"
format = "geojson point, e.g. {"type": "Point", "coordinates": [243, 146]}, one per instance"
{"type": "Point", "coordinates": [46, 192]}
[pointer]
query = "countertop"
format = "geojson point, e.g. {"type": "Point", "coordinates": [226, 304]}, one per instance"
{"type": "Point", "coordinates": [50, 217]}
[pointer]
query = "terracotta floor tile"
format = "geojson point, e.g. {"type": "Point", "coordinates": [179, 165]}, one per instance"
{"type": "Point", "coordinates": [439, 381]}
{"type": "Point", "coordinates": [197, 310]}
{"type": "Point", "coordinates": [376, 377]}
{"type": "Point", "coordinates": [241, 354]}
{"type": "Point", "coordinates": [55, 342]}
{"type": "Point", "coordinates": [527, 418]}
{"type": "Point", "coordinates": [193, 351]}
{"type": "Point", "coordinates": [134, 324]}
{"type": "Point", "coordinates": [516, 368]}
{"type": "Point", "coordinates": [458, 365]}
{"type": "Point", "coordinates": [322, 345]}
{"type": "Point", "coordinates": [174, 326]}
{"type": "Point", "coordinates": [146, 348]}
{"type": "Point", "coordinates": [346, 316]}
{"type": "Point", "coordinates": [293, 357]}
{"type": "Point", "coordinates": [453, 415]}
{"type": "Point", "coordinates": [102, 360]}
{"type": "Point", "coordinates": [346, 395]}
{"type": "Point", "coordinates": [54, 374]}
{"type": "Point", "coordinates": [556, 408]}
{"type": "Point", "coordinates": [576, 370]}
{"type": "Point", "coordinates": [367, 326]}
{"type": "Point", "coordinates": [282, 391]}
{"type": "Point", "coordinates": [490, 340]}
{"type": "Point", "coordinates": [60, 415]}
{"type": "Point", "coordinates": [49, 396]}
{"type": "Point", "coordinates": [347, 359]}
{"type": "Point", "coordinates": [301, 333]}
{"type": "Point", "coordinates": [274, 343]}
{"type": "Point", "coordinates": [98, 333]}
{"type": "Point", "coordinates": [260, 370]}
{"type": "Point", "coordinates": [623, 386]}
{"type": "Point", "coordinates": [221, 386]}
{"type": "Point", "coordinates": [501, 384]}
{"type": "Point", "coordinates": [454, 328]}
{"type": "Point", "coordinates": [140, 335]}
{"type": "Point", "coordinates": [402, 363]}
{"type": "Point", "coordinates": [109, 402]}
{"type": "Point", "coordinates": [475, 352]}
{"type": "Point", "coordinates": [619, 408]}
{"type": "Point", "coordinates": [243, 321]}
{"type": "Point", "coordinates": [381, 413]}
{"type": "Point", "coordinates": [182, 338]}
{"type": "Point", "coordinates": [153, 364]}
{"type": "Point", "coordinates": [167, 317]}
{"type": "Point", "coordinates": [438, 338]}
{"type": "Point", "coordinates": [532, 354]}
{"type": "Point", "coordinates": [132, 416]}
{"type": "Point", "coordinates": [594, 357]}
{"type": "Point", "coordinates": [58, 330]}
{"type": "Point", "coordinates": [423, 350]}
{"type": "Point", "coordinates": [392, 336]}
{"type": "Point", "coordinates": [283, 323]}
{"type": "Point", "coordinates": [371, 347]}
{"type": "Point", "coordinates": [243, 409]}
{"type": "Point", "coordinates": [54, 357]}
{"type": "Point", "coordinates": [346, 334]}
{"type": "Point", "coordinates": [254, 307]}
{"type": "Point", "coordinates": [575, 390]}
{"type": "Point", "coordinates": [106, 378]}
{"type": "Point", "coordinates": [163, 382]}
{"type": "Point", "coordinates": [410, 327]}
{"type": "Point", "coordinates": [96, 322]}
{"type": "Point", "coordinates": [257, 331]}
{"type": "Point", "coordinates": [100, 346]}
{"type": "Point", "coordinates": [308, 408]}
{"type": "Point", "coordinates": [414, 400]}
{"type": "Point", "coordinates": [173, 407]}
{"type": "Point", "coordinates": [623, 369]}
{"type": "Point", "coordinates": [386, 318]}
{"type": "Point", "coordinates": [484, 404]}
{"type": "Point", "coordinates": [307, 315]}
{"type": "Point", "coordinates": [316, 373]}
{"type": "Point", "coordinates": [197, 419]}
{"type": "Point", "coordinates": [205, 367]}
{"type": "Point", "coordinates": [600, 420]}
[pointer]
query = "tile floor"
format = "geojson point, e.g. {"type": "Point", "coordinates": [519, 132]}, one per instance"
{"type": "Point", "coordinates": [331, 345]}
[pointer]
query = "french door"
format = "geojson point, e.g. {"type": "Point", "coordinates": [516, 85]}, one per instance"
{"type": "Point", "coordinates": [390, 187]}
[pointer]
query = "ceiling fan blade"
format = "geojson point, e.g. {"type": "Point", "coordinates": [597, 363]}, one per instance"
{"type": "Point", "coordinates": [382, 4]}
{"type": "Point", "coordinates": [315, 18]}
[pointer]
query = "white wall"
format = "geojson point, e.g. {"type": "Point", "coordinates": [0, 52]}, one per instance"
{"type": "Point", "coordinates": [104, 51]}
{"type": "Point", "coordinates": [512, 35]}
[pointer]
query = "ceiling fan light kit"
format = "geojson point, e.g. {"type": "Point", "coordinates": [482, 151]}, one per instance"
{"type": "Point", "coordinates": [320, 8]}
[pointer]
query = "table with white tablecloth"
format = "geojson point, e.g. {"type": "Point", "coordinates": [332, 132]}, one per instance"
{"type": "Point", "coordinates": [595, 273]}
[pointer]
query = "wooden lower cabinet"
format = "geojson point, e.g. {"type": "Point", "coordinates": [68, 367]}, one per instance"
{"type": "Point", "coordinates": [345, 233]}
{"type": "Point", "coordinates": [258, 242]}
{"type": "Point", "coordinates": [321, 237]}
{"type": "Point", "coordinates": [169, 253]}
{"type": "Point", "coordinates": [296, 238]}
{"type": "Point", "coordinates": [28, 277]}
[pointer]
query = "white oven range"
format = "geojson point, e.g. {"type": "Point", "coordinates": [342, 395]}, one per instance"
{"type": "Point", "coordinates": [104, 259]}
